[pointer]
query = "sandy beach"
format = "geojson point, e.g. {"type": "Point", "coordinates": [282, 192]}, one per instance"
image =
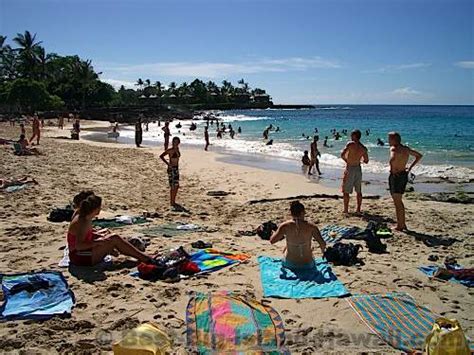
{"type": "Point", "coordinates": [132, 180]}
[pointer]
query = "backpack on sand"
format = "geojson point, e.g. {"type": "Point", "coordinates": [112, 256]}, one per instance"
{"type": "Point", "coordinates": [343, 254]}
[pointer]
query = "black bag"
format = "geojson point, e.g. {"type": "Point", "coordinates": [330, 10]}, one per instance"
{"type": "Point", "coordinates": [374, 244]}
{"type": "Point", "coordinates": [343, 254]}
{"type": "Point", "coordinates": [266, 230]}
{"type": "Point", "coordinates": [61, 214]}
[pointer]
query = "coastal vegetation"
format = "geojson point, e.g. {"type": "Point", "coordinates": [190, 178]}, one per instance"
{"type": "Point", "coordinates": [32, 79]}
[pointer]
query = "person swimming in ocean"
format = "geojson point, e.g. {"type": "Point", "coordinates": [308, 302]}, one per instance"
{"type": "Point", "coordinates": [299, 235]}
{"type": "Point", "coordinates": [265, 133]}
{"type": "Point", "coordinates": [380, 142]}
{"type": "Point", "coordinates": [239, 130]}
{"type": "Point", "coordinates": [325, 143]}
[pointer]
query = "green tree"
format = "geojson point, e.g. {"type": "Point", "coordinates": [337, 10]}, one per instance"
{"type": "Point", "coordinates": [31, 95]}
{"type": "Point", "coordinates": [28, 53]}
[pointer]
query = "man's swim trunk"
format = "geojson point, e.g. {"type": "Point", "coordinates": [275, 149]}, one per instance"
{"type": "Point", "coordinates": [173, 176]}
{"type": "Point", "coordinates": [398, 182]}
{"type": "Point", "coordinates": [352, 179]}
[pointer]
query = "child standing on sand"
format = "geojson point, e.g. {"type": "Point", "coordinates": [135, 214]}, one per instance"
{"type": "Point", "coordinates": [173, 154]}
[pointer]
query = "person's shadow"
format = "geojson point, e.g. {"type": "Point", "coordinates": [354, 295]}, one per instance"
{"type": "Point", "coordinates": [432, 240]}
{"type": "Point", "coordinates": [321, 276]}
{"type": "Point", "coordinates": [91, 274]}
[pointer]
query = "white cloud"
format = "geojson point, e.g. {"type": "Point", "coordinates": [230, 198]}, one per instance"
{"type": "Point", "coordinates": [118, 83]}
{"type": "Point", "coordinates": [219, 69]}
{"type": "Point", "coordinates": [399, 67]}
{"type": "Point", "coordinates": [406, 91]}
{"type": "Point", "coordinates": [405, 95]}
{"type": "Point", "coordinates": [467, 64]}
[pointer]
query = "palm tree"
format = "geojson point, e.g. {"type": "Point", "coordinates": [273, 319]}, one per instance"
{"type": "Point", "coordinates": [28, 52]}
{"type": "Point", "coordinates": [227, 87]}
{"type": "Point", "coordinates": [158, 87]}
{"type": "Point", "coordinates": [86, 76]}
{"type": "Point", "coordinates": [148, 82]}
{"type": "Point", "coordinates": [139, 84]}
{"type": "Point", "coordinates": [172, 87]}
{"type": "Point", "coordinates": [43, 60]}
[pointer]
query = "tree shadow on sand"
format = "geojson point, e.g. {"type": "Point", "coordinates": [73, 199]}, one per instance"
{"type": "Point", "coordinates": [91, 274]}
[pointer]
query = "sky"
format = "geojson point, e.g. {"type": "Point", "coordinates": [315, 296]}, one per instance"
{"type": "Point", "coordinates": [318, 52]}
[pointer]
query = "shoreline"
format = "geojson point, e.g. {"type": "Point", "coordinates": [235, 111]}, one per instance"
{"type": "Point", "coordinates": [373, 183]}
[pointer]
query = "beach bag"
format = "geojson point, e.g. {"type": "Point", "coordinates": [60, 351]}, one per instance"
{"type": "Point", "coordinates": [446, 338]}
{"type": "Point", "coordinates": [266, 230]}
{"type": "Point", "coordinates": [146, 339]}
{"type": "Point", "coordinates": [343, 254]}
{"type": "Point", "coordinates": [61, 214]}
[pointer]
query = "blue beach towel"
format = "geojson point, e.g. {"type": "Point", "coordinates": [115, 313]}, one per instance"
{"type": "Point", "coordinates": [431, 270]}
{"type": "Point", "coordinates": [40, 295]}
{"type": "Point", "coordinates": [340, 231]}
{"type": "Point", "coordinates": [317, 282]}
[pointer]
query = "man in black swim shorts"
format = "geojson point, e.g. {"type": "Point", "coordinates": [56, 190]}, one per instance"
{"type": "Point", "coordinates": [397, 181]}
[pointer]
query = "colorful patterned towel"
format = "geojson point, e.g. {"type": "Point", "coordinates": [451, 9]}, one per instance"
{"type": "Point", "coordinates": [32, 295]}
{"type": "Point", "coordinates": [280, 281]}
{"type": "Point", "coordinates": [432, 269]}
{"type": "Point", "coordinates": [396, 318]}
{"type": "Point", "coordinates": [334, 233]}
{"type": "Point", "coordinates": [116, 223]}
{"type": "Point", "coordinates": [224, 322]}
{"type": "Point", "coordinates": [210, 260]}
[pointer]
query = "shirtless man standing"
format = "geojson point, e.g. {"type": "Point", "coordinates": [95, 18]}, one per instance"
{"type": "Point", "coordinates": [314, 156]}
{"type": "Point", "coordinates": [397, 181]}
{"type": "Point", "coordinates": [299, 235]}
{"type": "Point", "coordinates": [353, 154]}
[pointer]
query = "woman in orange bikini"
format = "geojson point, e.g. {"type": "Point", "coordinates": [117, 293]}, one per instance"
{"type": "Point", "coordinates": [87, 247]}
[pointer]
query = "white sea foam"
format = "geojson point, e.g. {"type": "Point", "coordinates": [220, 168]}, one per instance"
{"type": "Point", "coordinates": [285, 150]}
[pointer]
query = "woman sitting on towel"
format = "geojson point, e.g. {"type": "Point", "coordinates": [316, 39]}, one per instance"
{"type": "Point", "coordinates": [86, 247]}
{"type": "Point", "coordinates": [299, 235]}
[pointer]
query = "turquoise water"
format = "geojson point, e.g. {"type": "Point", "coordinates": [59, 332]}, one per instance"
{"type": "Point", "coordinates": [443, 134]}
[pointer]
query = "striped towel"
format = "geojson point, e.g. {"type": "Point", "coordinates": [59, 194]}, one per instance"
{"type": "Point", "coordinates": [396, 318]}
{"type": "Point", "coordinates": [334, 233]}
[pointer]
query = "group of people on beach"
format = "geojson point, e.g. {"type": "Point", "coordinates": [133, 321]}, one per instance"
{"type": "Point", "coordinates": [355, 153]}
{"type": "Point", "coordinates": [88, 246]}
{"type": "Point", "coordinates": [299, 233]}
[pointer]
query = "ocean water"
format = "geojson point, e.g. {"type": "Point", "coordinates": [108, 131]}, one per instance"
{"type": "Point", "coordinates": [443, 134]}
